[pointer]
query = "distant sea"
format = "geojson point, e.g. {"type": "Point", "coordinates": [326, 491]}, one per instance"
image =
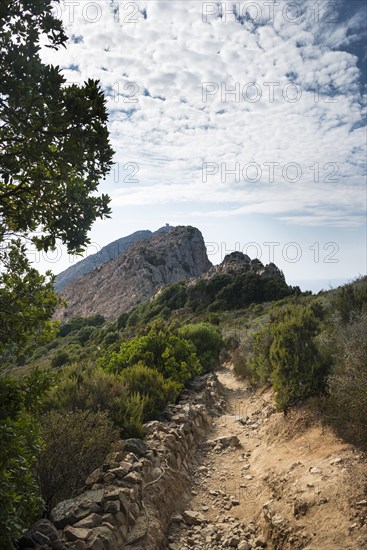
{"type": "Point", "coordinates": [315, 285]}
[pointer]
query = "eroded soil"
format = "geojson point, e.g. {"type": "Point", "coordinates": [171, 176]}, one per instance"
{"type": "Point", "coordinates": [288, 484]}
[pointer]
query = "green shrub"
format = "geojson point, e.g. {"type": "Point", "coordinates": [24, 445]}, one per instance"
{"type": "Point", "coordinates": [174, 296]}
{"type": "Point", "coordinates": [350, 300]}
{"type": "Point", "coordinates": [259, 363]}
{"type": "Point", "coordinates": [214, 318]}
{"type": "Point", "coordinates": [231, 341]}
{"type": "Point", "coordinates": [52, 345]}
{"type": "Point", "coordinates": [150, 384]}
{"type": "Point", "coordinates": [240, 361]}
{"type": "Point", "coordinates": [39, 352]}
{"type": "Point", "coordinates": [84, 387]}
{"type": "Point", "coordinates": [20, 497]}
{"type": "Point", "coordinates": [110, 338]}
{"type": "Point", "coordinates": [84, 334]}
{"type": "Point", "coordinates": [346, 403]}
{"type": "Point", "coordinates": [59, 359]}
{"type": "Point", "coordinates": [76, 442]}
{"type": "Point", "coordinates": [80, 322]}
{"type": "Point", "coordinates": [122, 320]}
{"type": "Point", "coordinates": [207, 341]}
{"type": "Point", "coordinates": [257, 309]}
{"type": "Point", "coordinates": [133, 416]}
{"type": "Point", "coordinates": [160, 349]}
{"type": "Point", "coordinates": [298, 368]}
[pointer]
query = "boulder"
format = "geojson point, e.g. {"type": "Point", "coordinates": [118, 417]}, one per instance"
{"type": "Point", "coordinates": [72, 510]}
{"type": "Point", "coordinates": [122, 470]}
{"type": "Point", "coordinates": [191, 517]}
{"type": "Point", "coordinates": [42, 532]}
{"type": "Point", "coordinates": [136, 446]}
{"type": "Point", "coordinates": [75, 533]}
{"type": "Point", "coordinates": [93, 520]}
{"type": "Point", "coordinates": [228, 441]}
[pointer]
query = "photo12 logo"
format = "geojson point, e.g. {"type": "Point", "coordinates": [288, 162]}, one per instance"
{"type": "Point", "coordinates": [293, 13]}
{"type": "Point", "coordinates": [92, 11]}
{"type": "Point", "coordinates": [126, 172]}
{"type": "Point", "coordinates": [269, 92]}
{"type": "Point", "coordinates": [274, 251]}
{"type": "Point", "coordinates": [127, 92]}
{"type": "Point", "coordinates": [270, 172]}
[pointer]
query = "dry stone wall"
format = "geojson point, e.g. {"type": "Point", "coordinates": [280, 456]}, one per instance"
{"type": "Point", "coordinates": [129, 501]}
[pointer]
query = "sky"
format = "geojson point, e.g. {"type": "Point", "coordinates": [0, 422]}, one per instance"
{"type": "Point", "coordinates": [245, 119]}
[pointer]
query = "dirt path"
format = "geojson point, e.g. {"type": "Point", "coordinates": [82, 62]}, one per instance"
{"type": "Point", "coordinates": [286, 483]}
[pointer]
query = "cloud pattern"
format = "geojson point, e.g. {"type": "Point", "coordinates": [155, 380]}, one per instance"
{"type": "Point", "coordinates": [234, 107]}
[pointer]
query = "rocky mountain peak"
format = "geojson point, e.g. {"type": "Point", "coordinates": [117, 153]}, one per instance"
{"type": "Point", "coordinates": [236, 263]}
{"type": "Point", "coordinates": [135, 275]}
{"type": "Point", "coordinates": [236, 258]}
{"type": "Point", "coordinates": [106, 254]}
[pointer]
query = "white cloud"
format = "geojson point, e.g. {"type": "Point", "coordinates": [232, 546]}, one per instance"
{"type": "Point", "coordinates": [172, 131]}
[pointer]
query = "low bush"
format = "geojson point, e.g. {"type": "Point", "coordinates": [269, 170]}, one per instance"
{"type": "Point", "coordinates": [161, 349]}
{"type": "Point", "coordinates": [84, 334]}
{"type": "Point", "coordinates": [20, 498]}
{"type": "Point", "coordinates": [346, 403]}
{"type": "Point", "coordinates": [240, 361]}
{"type": "Point", "coordinates": [84, 387]}
{"type": "Point", "coordinates": [59, 359]}
{"type": "Point", "coordinates": [207, 341]}
{"type": "Point", "coordinates": [80, 322]}
{"type": "Point", "coordinates": [298, 368]}
{"type": "Point", "coordinates": [260, 367]}
{"type": "Point", "coordinates": [350, 300]}
{"type": "Point", "coordinates": [110, 338]}
{"type": "Point", "coordinates": [122, 320]}
{"type": "Point", "coordinates": [150, 384]}
{"type": "Point", "coordinates": [75, 443]}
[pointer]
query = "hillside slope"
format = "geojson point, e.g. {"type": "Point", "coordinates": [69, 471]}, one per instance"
{"type": "Point", "coordinates": [135, 275]}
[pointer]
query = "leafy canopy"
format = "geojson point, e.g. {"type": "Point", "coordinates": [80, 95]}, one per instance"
{"type": "Point", "coordinates": [27, 302]}
{"type": "Point", "coordinates": [207, 341]}
{"type": "Point", "coordinates": [54, 138]}
{"type": "Point", "coordinates": [54, 150]}
{"type": "Point", "coordinates": [20, 443]}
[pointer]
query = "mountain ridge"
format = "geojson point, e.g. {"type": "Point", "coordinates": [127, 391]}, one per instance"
{"type": "Point", "coordinates": [107, 253]}
{"type": "Point", "coordinates": [135, 275]}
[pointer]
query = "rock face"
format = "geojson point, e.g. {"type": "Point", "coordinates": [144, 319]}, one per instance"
{"type": "Point", "coordinates": [237, 263]}
{"type": "Point", "coordinates": [137, 274]}
{"type": "Point", "coordinates": [107, 253]}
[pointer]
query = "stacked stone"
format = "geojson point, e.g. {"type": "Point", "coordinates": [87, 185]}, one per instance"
{"type": "Point", "coordinates": [128, 502]}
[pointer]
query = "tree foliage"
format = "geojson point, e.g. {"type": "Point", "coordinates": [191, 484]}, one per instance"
{"type": "Point", "coordinates": [54, 150]}
{"type": "Point", "coordinates": [20, 444]}
{"type": "Point", "coordinates": [54, 138]}
{"type": "Point", "coordinates": [27, 302]}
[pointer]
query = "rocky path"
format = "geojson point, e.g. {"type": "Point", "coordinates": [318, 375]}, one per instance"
{"type": "Point", "coordinates": [266, 481]}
